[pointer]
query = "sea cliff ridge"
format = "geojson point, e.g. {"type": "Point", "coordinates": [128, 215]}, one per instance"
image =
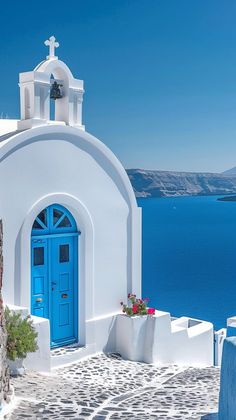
{"type": "Point", "coordinates": [154, 183]}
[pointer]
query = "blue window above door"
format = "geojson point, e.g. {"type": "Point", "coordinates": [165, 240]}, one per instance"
{"type": "Point", "coordinates": [54, 219]}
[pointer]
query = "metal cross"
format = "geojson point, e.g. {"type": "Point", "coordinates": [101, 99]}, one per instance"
{"type": "Point", "coordinates": [52, 44]}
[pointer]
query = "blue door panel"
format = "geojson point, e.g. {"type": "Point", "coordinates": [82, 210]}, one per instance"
{"type": "Point", "coordinates": [38, 285]}
{"type": "Point", "coordinates": [54, 274]}
{"type": "Point", "coordinates": [39, 312]}
{"type": "Point", "coordinates": [39, 280]}
{"type": "Point", "coordinates": [62, 297]}
{"type": "Point", "coordinates": [64, 315]}
{"type": "Point", "coordinates": [64, 282]}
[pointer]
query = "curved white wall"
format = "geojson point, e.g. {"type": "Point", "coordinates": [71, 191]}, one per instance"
{"type": "Point", "coordinates": [61, 164]}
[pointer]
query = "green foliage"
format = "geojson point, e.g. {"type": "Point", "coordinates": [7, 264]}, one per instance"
{"type": "Point", "coordinates": [21, 335]}
{"type": "Point", "coordinates": [135, 306]}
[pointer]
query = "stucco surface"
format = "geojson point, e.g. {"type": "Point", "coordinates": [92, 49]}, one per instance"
{"type": "Point", "coordinates": [227, 405]}
{"type": "Point", "coordinates": [107, 387]}
{"type": "Point", "coordinates": [183, 341]}
{"type": "Point", "coordinates": [48, 161]}
{"type": "Point", "coordinates": [67, 166]}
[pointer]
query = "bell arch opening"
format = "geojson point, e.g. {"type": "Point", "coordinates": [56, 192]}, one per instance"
{"type": "Point", "coordinates": [59, 96]}
{"type": "Point", "coordinates": [52, 101]}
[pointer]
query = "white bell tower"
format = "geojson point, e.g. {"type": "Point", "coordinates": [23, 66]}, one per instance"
{"type": "Point", "coordinates": [50, 81]}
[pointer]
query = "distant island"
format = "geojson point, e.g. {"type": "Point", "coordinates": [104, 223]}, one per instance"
{"type": "Point", "coordinates": [227, 198]}
{"type": "Point", "coordinates": [153, 183]}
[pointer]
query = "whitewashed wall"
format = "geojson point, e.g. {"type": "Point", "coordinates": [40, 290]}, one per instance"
{"type": "Point", "coordinates": [61, 164]}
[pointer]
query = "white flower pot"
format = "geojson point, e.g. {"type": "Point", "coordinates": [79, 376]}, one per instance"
{"type": "Point", "coordinates": [131, 336]}
{"type": "Point", "coordinates": [16, 367]}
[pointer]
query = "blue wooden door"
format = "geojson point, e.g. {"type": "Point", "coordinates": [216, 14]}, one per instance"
{"type": "Point", "coordinates": [54, 273]}
{"type": "Point", "coordinates": [63, 290]}
{"type": "Point", "coordinates": [39, 277]}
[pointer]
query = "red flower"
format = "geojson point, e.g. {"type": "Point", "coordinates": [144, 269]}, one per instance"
{"type": "Point", "coordinates": [151, 311]}
{"type": "Point", "coordinates": [135, 309]}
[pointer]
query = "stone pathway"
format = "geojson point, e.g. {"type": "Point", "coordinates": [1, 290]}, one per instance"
{"type": "Point", "coordinates": [61, 351]}
{"type": "Point", "coordinates": [107, 387]}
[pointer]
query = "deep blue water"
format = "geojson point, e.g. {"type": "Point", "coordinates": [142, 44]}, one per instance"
{"type": "Point", "coordinates": [189, 256]}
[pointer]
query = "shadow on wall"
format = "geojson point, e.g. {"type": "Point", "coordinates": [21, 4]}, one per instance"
{"type": "Point", "coordinates": [17, 269]}
{"type": "Point", "coordinates": [111, 345]}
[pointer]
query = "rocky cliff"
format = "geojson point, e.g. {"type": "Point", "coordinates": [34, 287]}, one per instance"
{"type": "Point", "coordinates": [148, 183]}
{"type": "Point", "coordinates": [4, 370]}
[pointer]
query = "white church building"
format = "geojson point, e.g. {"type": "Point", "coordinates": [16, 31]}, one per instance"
{"type": "Point", "coordinates": [72, 235]}
{"type": "Point", "coordinates": [71, 224]}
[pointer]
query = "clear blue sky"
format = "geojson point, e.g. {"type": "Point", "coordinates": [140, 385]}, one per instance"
{"type": "Point", "coordinates": [160, 75]}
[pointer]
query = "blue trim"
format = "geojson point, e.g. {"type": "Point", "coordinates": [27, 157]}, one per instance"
{"type": "Point", "coordinates": [66, 342]}
{"type": "Point", "coordinates": [47, 300]}
{"type": "Point", "coordinates": [39, 281]}
{"type": "Point", "coordinates": [56, 235]}
{"type": "Point", "coordinates": [50, 264]}
{"type": "Point", "coordinates": [40, 223]}
{"type": "Point", "coordinates": [59, 221]}
{"type": "Point", "coordinates": [76, 288]}
{"type": "Point", "coordinates": [51, 228]}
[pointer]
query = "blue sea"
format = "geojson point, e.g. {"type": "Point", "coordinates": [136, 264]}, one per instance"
{"type": "Point", "coordinates": [189, 256]}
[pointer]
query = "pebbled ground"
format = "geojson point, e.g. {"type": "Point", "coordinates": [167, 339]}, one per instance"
{"type": "Point", "coordinates": [107, 387]}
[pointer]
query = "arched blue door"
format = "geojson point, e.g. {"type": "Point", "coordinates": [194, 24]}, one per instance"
{"type": "Point", "coordinates": [54, 273]}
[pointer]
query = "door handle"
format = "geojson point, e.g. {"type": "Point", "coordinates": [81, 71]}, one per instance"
{"type": "Point", "coordinates": [64, 295]}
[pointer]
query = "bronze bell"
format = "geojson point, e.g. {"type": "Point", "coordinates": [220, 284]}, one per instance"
{"type": "Point", "coordinates": [55, 92]}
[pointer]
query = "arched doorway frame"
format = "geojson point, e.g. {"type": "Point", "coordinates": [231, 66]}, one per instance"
{"type": "Point", "coordinates": [85, 256]}
{"type": "Point", "coordinates": [54, 272]}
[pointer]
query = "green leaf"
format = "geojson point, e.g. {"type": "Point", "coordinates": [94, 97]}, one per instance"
{"type": "Point", "coordinates": [21, 335]}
